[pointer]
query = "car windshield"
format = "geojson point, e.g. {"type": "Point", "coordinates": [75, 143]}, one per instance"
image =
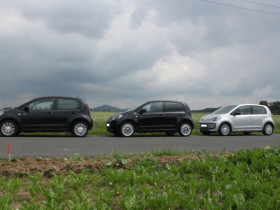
{"type": "Point", "coordinates": [225, 109]}
{"type": "Point", "coordinates": [134, 107]}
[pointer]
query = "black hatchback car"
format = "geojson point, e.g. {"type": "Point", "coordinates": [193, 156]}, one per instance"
{"type": "Point", "coordinates": [48, 114]}
{"type": "Point", "coordinates": [153, 116]}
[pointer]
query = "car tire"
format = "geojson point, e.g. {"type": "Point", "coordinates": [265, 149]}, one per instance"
{"type": "Point", "coordinates": [170, 133]}
{"type": "Point", "coordinates": [185, 129]}
{"type": "Point", "coordinates": [268, 129]}
{"type": "Point", "coordinates": [8, 128]}
{"type": "Point", "coordinates": [224, 129]}
{"type": "Point", "coordinates": [206, 133]}
{"type": "Point", "coordinates": [127, 129]}
{"type": "Point", "coordinates": [80, 129]}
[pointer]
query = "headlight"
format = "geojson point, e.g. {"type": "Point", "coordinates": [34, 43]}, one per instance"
{"type": "Point", "coordinates": [215, 118]}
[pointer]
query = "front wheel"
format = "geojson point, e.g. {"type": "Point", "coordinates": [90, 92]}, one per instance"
{"type": "Point", "coordinates": [8, 128]}
{"type": "Point", "coordinates": [185, 129]}
{"type": "Point", "coordinates": [127, 129]}
{"type": "Point", "coordinates": [224, 129]}
{"type": "Point", "coordinates": [80, 129]}
{"type": "Point", "coordinates": [268, 129]}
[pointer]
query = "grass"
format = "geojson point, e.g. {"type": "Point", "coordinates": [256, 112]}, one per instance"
{"type": "Point", "coordinates": [276, 119]}
{"type": "Point", "coordinates": [246, 179]}
{"type": "Point", "coordinates": [100, 119]}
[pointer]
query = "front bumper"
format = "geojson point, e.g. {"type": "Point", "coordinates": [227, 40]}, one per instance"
{"type": "Point", "coordinates": [112, 126]}
{"type": "Point", "coordinates": [207, 126]}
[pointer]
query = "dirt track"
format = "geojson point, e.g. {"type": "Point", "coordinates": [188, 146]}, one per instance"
{"type": "Point", "coordinates": [50, 166]}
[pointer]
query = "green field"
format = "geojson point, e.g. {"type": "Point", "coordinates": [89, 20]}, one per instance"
{"type": "Point", "coordinates": [100, 119]}
{"type": "Point", "coordinates": [246, 179]}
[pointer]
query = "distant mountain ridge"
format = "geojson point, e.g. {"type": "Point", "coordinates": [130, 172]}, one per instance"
{"type": "Point", "coordinates": [206, 110]}
{"type": "Point", "coordinates": [116, 109]}
{"type": "Point", "coordinates": [107, 108]}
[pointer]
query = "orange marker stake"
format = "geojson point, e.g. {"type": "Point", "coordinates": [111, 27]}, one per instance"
{"type": "Point", "coordinates": [9, 152]}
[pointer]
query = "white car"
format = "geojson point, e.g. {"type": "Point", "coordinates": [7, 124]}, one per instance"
{"type": "Point", "coordinates": [238, 118]}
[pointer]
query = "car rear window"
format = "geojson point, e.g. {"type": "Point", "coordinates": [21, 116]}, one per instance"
{"type": "Point", "coordinates": [65, 104]}
{"type": "Point", "coordinates": [173, 107]}
{"type": "Point", "coordinates": [258, 110]}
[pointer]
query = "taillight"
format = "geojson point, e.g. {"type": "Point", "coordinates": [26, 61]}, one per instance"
{"type": "Point", "coordinates": [89, 112]}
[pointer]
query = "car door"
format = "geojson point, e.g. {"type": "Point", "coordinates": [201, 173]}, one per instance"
{"type": "Point", "coordinates": [38, 115]}
{"type": "Point", "coordinates": [242, 119]}
{"type": "Point", "coordinates": [258, 115]}
{"type": "Point", "coordinates": [172, 112]}
{"type": "Point", "coordinates": [65, 110]}
{"type": "Point", "coordinates": [151, 117]}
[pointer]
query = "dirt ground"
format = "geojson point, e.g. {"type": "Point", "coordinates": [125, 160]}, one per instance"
{"type": "Point", "coordinates": [59, 166]}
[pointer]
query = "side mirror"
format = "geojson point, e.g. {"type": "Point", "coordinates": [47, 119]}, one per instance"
{"type": "Point", "coordinates": [142, 111]}
{"type": "Point", "coordinates": [26, 109]}
{"type": "Point", "coordinates": [235, 113]}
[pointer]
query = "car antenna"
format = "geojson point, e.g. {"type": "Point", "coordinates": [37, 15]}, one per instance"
{"type": "Point", "coordinates": [79, 95]}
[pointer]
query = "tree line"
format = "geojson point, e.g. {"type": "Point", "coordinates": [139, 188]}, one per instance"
{"type": "Point", "coordinates": [273, 106]}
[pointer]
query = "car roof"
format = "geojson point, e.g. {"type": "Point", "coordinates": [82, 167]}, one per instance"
{"type": "Point", "coordinates": [245, 105]}
{"type": "Point", "coordinates": [63, 97]}
{"type": "Point", "coordinates": [250, 105]}
{"type": "Point", "coordinates": [166, 101]}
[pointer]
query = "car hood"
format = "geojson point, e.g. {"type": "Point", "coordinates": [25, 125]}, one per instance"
{"type": "Point", "coordinates": [209, 117]}
{"type": "Point", "coordinates": [115, 115]}
{"type": "Point", "coordinates": [9, 110]}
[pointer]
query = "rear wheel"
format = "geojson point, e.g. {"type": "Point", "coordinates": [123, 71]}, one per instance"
{"type": "Point", "coordinates": [185, 129]}
{"type": "Point", "coordinates": [224, 129]}
{"type": "Point", "coordinates": [127, 129]}
{"type": "Point", "coordinates": [268, 129]}
{"type": "Point", "coordinates": [80, 129]}
{"type": "Point", "coordinates": [8, 128]}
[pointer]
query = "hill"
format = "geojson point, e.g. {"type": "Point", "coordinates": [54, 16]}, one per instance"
{"type": "Point", "coordinates": [107, 108]}
{"type": "Point", "coordinates": [206, 110]}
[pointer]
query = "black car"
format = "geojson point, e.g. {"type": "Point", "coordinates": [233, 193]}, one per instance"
{"type": "Point", "coordinates": [48, 114]}
{"type": "Point", "coordinates": [153, 116]}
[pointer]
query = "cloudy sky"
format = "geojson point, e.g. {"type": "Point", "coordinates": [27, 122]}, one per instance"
{"type": "Point", "coordinates": [122, 52]}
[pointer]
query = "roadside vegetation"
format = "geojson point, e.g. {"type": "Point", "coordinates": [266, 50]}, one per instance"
{"type": "Point", "coordinates": [246, 179]}
{"type": "Point", "coordinates": [100, 119]}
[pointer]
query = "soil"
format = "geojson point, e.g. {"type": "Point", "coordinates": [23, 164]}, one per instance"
{"type": "Point", "coordinates": [63, 166]}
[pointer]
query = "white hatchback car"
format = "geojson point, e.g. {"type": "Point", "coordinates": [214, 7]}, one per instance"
{"type": "Point", "coordinates": [238, 118]}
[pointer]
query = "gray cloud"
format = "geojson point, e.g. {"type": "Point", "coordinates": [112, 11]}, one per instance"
{"type": "Point", "coordinates": [90, 17]}
{"type": "Point", "coordinates": [124, 52]}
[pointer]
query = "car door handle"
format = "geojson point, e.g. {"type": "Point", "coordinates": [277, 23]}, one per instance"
{"type": "Point", "coordinates": [74, 112]}
{"type": "Point", "coordinates": [161, 115]}
{"type": "Point", "coordinates": [50, 113]}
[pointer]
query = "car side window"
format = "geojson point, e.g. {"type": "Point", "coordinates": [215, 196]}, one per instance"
{"type": "Point", "coordinates": [243, 110]}
{"type": "Point", "coordinates": [42, 104]}
{"type": "Point", "coordinates": [258, 110]}
{"type": "Point", "coordinates": [66, 104]}
{"type": "Point", "coordinates": [153, 107]}
{"type": "Point", "coordinates": [173, 107]}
